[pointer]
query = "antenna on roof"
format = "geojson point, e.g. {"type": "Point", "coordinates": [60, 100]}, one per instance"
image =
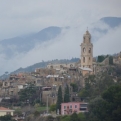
{"type": "Point", "coordinates": [87, 28]}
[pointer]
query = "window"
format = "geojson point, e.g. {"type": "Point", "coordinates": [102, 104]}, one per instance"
{"type": "Point", "coordinates": [8, 113]}
{"type": "Point", "coordinates": [84, 39]}
{"type": "Point", "coordinates": [71, 65]}
{"type": "Point", "coordinates": [75, 106]}
{"type": "Point", "coordinates": [89, 39]}
{"type": "Point", "coordinates": [55, 79]}
{"type": "Point", "coordinates": [84, 49]}
{"type": "Point", "coordinates": [83, 109]}
{"type": "Point", "coordinates": [70, 106]}
{"type": "Point", "coordinates": [83, 105]}
{"type": "Point", "coordinates": [84, 59]}
{"type": "Point", "coordinates": [90, 50]}
{"type": "Point", "coordinates": [64, 107]}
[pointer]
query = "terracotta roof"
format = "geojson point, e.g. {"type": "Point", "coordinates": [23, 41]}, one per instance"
{"type": "Point", "coordinates": [3, 108]}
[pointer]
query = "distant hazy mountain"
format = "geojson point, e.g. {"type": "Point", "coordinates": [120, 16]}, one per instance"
{"type": "Point", "coordinates": [13, 46]}
{"type": "Point", "coordinates": [112, 21]}
{"type": "Point", "coordinates": [25, 43]}
{"type": "Point", "coordinates": [100, 29]}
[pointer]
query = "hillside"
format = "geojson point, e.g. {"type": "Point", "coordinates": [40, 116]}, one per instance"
{"type": "Point", "coordinates": [26, 43]}
{"type": "Point", "coordinates": [40, 65]}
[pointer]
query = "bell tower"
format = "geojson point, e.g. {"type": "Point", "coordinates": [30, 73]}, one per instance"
{"type": "Point", "coordinates": [87, 51]}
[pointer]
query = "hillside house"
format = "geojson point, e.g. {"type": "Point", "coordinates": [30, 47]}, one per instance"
{"type": "Point", "coordinates": [71, 107]}
{"type": "Point", "coordinates": [6, 111]}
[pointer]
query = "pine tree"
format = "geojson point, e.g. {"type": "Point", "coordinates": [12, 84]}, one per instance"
{"type": "Point", "coordinates": [59, 99]}
{"type": "Point", "coordinates": [66, 95]}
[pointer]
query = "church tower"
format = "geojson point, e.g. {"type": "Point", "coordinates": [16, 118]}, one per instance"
{"type": "Point", "coordinates": [87, 51]}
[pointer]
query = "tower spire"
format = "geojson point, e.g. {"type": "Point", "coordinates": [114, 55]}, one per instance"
{"type": "Point", "coordinates": [87, 51]}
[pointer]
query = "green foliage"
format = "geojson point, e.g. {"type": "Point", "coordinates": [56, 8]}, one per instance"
{"type": "Point", "coordinates": [95, 86]}
{"type": "Point", "coordinates": [39, 108]}
{"type": "Point", "coordinates": [74, 117]}
{"type": "Point", "coordinates": [83, 93]}
{"type": "Point", "coordinates": [6, 118]}
{"type": "Point", "coordinates": [49, 118]}
{"type": "Point", "coordinates": [59, 99]}
{"type": "Point", "coordinates": [97, 109]}
{"type": "Point", "coordinates": [107, 107]}
{"type": "Point", "coordinates": [53, 107]}
{"type": "Point", "coordinates": [36, 113]}
{"type": "Point", "coordinates": [113, 98]}
{"type": "Point", "coordinates": [81, 117]}
{"type": "Point", "coordinates": [66, 94]}
{"type": "Point", "coordinates": [65, 118]}
{"type": "Point", "coordinates": [18, 111]}
{"type": "Point", "coordinates": [28, 94]}
{"type": "Point", "coordinates": [37, 105]}
{"type": "Point", "coordinates": [74, 86]}
{"type": "Point", "coordinates": [101, 58]}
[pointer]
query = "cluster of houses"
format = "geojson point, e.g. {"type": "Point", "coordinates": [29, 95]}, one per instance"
{"type": "Point", "coordinates": [50, 78]}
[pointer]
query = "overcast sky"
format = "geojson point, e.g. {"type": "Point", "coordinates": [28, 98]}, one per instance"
{"type": "Point", "coordinates": [21, 17]}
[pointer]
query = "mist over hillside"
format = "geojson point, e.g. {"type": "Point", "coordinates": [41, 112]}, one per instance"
{"type": "Point", "coordinates": [56, 42]}
{"type": "Point", "coordinates": [25, 43]}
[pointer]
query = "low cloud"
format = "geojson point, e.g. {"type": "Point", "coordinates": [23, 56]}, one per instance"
{"type": "Point", "coordinates": [65, 46]}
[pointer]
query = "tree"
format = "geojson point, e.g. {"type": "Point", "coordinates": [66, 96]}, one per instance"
{"type": "Point", "coordinates": [97, 110]}
{"type": "Point", "coordinates": [59, 99]}
{"type": "Point", "coordinates": [113, 98]}
{"type": "Point", "coordinates": [6, 118]}
{"type": "Point", "coordinates": [94, 86]}
{"type": "Point", "coordinates": [28, 94]}
{"type": "Point", "coordinates": [74, 117]}
{"type": "Point", "coordinates": [108, 106]}
{"type": "Point", "coordinates": [66, 94]}
{"type": "Point", "coordinates": [74, 86]}
{"type": "Point", "coordinates": [53, 107]}
{"type": "Point", "coordinates": [65, 118]}
{"type": "Point", "coordinates": [101, 58]}
{"type": "Point", "coordinates": [81, 117]}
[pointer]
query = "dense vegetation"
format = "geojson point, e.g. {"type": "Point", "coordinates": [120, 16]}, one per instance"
{"type": "Point", "coordinates": [6, 118]}
{"type": "Point", "coordinates": [29, 95]}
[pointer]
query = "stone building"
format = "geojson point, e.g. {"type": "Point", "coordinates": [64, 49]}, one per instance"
{"type": "Point", "coordinates": [86, 54]}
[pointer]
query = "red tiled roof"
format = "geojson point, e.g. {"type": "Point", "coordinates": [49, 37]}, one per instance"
{"type": "Point", "coordinates": [3, 108]}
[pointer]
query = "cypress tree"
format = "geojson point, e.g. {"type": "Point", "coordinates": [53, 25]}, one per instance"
{"type": "Point", "coordinates": [66, 95]}
{"type": "Point", "coordinates": [59, 99]}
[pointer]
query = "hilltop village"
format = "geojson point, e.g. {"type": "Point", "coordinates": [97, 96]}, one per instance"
{"type": "Point", "coordinates": [48, 80]}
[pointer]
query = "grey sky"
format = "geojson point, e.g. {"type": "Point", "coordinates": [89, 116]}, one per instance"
{"type": "Point", "coordinates": [19, 17]}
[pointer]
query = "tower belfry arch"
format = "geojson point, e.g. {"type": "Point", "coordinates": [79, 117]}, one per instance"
{"type": "Point", "coordinates": [87, 51]}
